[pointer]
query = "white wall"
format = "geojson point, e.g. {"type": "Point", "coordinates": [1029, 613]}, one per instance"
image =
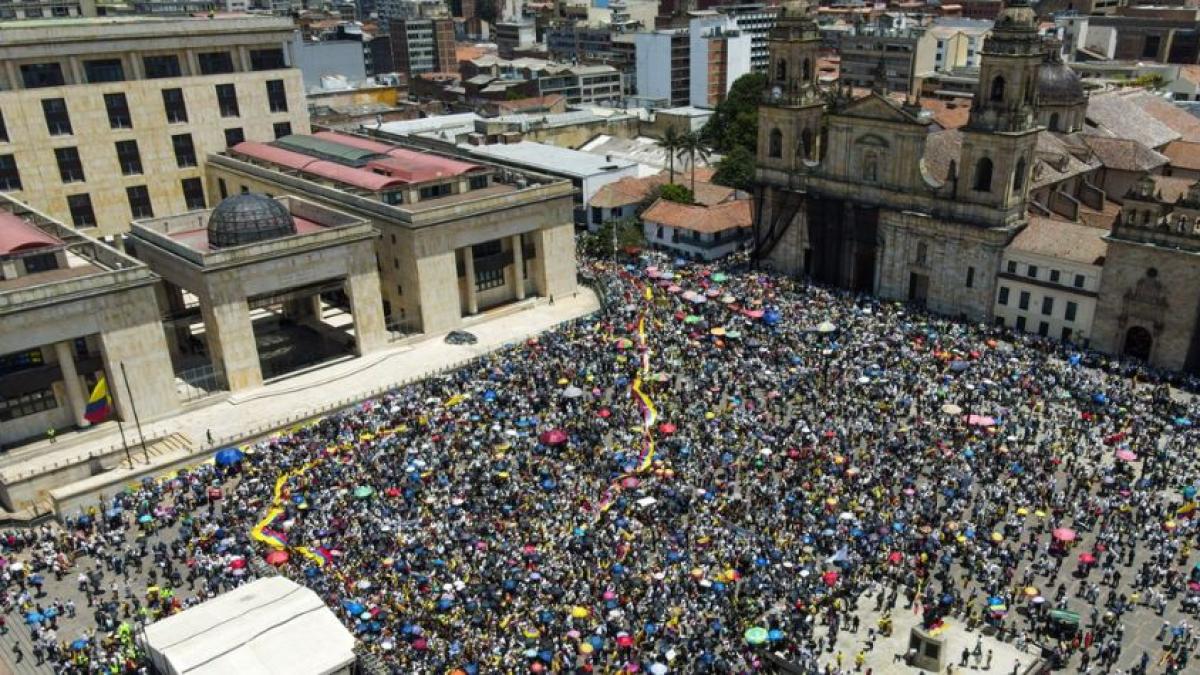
{"type": "Point", "coordinates": [1061, 293]}
{"type": "Point", "coordinates": [653, 65]}
{"type": "Point", "coordinates": [596, 181]}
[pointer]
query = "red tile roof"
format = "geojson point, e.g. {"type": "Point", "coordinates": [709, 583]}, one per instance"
{"type": "Point", "coordinates": [1183, 155]}
{"type": "Point", "coordinates": [17, 234]}
{"type": "Point", "coordinates": [717, 218]}
{"type": "Point", "coordinates": [408, 165]}
{"type": "Point", "coordinates": [348, 175]}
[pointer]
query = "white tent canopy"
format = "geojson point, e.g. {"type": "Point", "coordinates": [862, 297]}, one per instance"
{"type": "Point", "coordinates": [270, 626]}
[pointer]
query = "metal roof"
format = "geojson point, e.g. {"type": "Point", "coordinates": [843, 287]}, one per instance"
{"type": "Point", "coordinates": [325, 149]}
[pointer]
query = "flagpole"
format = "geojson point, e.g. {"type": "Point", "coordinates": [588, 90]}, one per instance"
{"type": "Point", "coordinates": [121, 428]}
{"type": "Point", "coordinates": [133, 406]}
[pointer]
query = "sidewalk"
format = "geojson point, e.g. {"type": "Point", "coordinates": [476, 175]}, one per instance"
{"type": "Point", "coordinates": [252, 412]}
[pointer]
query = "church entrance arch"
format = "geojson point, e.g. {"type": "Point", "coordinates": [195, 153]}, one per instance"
{"type": "Point", "coordinates": [1138, 342]}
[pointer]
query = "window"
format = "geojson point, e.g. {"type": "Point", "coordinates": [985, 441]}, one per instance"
{"type": "Point", "coordinates": [27, 404]}
{"type": "Point", "coordinates": [42, 262]}
{"type": "Point", "coordinates": [234, 136]}
{"type": "Point", "coordinates": [227, 100]}
{"type": "Point", "coordinates": [970, 277]}
{"type": "Point", "coordinates": [1043, 328]}
{"type": "Point", "coordinates": [983, 175]}
{"type": "Point", "coordinates": [1023, 300]}
{"type": "Point", "coordinates": [433, 191]}
{"type": "Point", "coordinates": [158, 67]}
{"type": "Point", "coordinates": [493, 247]}
{"type": "Point", "coordinates": [1078, 281]}
{"type": "Point", "coordinates": [485, 279]}
{"type": "Point", "coordinates": [267, 59]}
{"type": "Point", "coordinates": [58, 121]}
{"type": "Point", "coordinates": [1054, 275]}
{"type": "Point", "coordinates": [781, 70]}
{"type": "Point", "coordinates": [1031, 271]}
{"type": "Point", "coordinates": [221, 188]}
{"type": "Point", "coordinates": [1012, 267]}
{"type": "Point", "coordinates": [3, 130]}
{"type": "Point", "coordinates": [1150, 46]}
{"type": "Point", "coordinates": [277, 96]}
{"type": "Point", "coordinates": [1020, 323]}
{"type": "Point", "coordinates": [70, 168]}
{"type": "Point", "coordinates": [185, 152]}
{"type": "Point", "coordinates": [478, 182]}
{"type": "Point", "coordinates": [1019, 176]}
{"type": "Point", "coordinates": [597, 214]}
{"type": "Point", "coordinates": [1047, 306]}
{"type": "Point", "coordinates": [118, 111]}
{"type": "Point", "coordinates": [37, 75]}
{"type": "Point", "coordinates": [998, 88]}
{"type": "Point", "coordinates": [104, 70]}
{"type": "Point", "coordinates": [282, 129]}
{"type": "Point", "coordinates": [129, 158]}
{"type": "Point", "coordinates": [922, 253]}
{"type": "Point", "coordinates": [870, 167]}
{"type": "Point", "coordinates": [81, 210]}
{"type": "Point", "coordinates": [175, 106]}
{"type": "Point", "coordinates": [394, 197]}
{"type": "Point", "coordinates": [1066, 334]}
{"type": "Point", "coordinates": [1072, 308]}
{"type": "Point", "coordinates": [139, 201]}
{"type": "Point", "coordinates": [10, 177]}
{"type": "Point", "coordinates": [1054, 122]}
{"type": "Point", "coordinates": [1003, 298]}
{"type": "Point", "coordinates": [215, 63]}
{"type": "Point", "coordinates": [193, 193]}
{"type": "Point", "coordinates": [775, 144]}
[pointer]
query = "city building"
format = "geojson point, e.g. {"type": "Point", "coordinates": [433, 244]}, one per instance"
{"type": "Point", "coordinates": [422, 46]}
{"type": "Point", "coordinates": [108, 120]}
{"type": "Point", "coordinates": [457, 236]}
{"type": "Point", "coordinates": [720, 53]}
{"type": "Point", "coordinates": [755, 19]}
{"type": "Point", "coordinates": [514, 36]}
{"type": "Point", "coordinates": [48, 9]}
{"type": "Point", "coordinates": [491, 77]}
{"type": "Point", "coordinates": [664, 67]}
{"type": "Point", "coordinates": [874, 54]}
{"type": "Point", "coordinates": [318, 59]}
{"type": "Point", "coordinates": [73, 310]}
{"type": "Point", "coordinates": [259, 268]}
{"type": "Point", "coordinates": [949, 44]}
{"type": "Point", "coordinates": [697, 232]}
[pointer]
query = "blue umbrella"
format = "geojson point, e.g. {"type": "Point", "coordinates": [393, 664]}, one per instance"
{"type": "Point", "coordinates": [228, 457]}
{"type": "Point", "coordinates": [145, 518]}
{"type": "Point", "coordinates": [34, 617]}
{"type": "Point", "coordinates": [1099, 398]}
{"type": "Point", "coordinates": [1183, 421]}
{"type": "Point", "coordinates": [1189, 492]}
{"type": "Point", "coordinates": [79, 644]}
{"type": "Point", "coordinates": [354, 608]}
{"type": "Point", "coordinates": [774, 635]}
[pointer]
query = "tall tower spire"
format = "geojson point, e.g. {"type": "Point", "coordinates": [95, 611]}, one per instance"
{"type": "Point", "coordinates": [1006, 99]}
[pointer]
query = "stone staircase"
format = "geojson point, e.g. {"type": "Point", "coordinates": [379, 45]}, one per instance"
{"type": "Point", "coordinates": [171, 443]}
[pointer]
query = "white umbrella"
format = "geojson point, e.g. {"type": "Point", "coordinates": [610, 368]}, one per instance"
{"type": "Point", "coordinates": [572, 392]}
{"type": "Point", "coordinates": [658, 669]}
{"type": "Point", "coordinates": [826, 327]}
{"type": "Point", "coordinates": [952, 409]}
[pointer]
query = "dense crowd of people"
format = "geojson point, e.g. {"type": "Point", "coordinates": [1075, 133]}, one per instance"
{"type": "Point", "coordinates": [800, 454]}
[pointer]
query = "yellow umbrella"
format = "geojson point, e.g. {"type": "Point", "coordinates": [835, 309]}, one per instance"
{"type": "Point", "coordinates": [585, 647]}
{"type": "Point", "coordinates": [579, 612]}
{"type": "Point", "coordinates": [563, 380]}
{"type": "Point", "coordinates": [1031, 591]}
{"type": "Point", "coordinates": [1022, 511]}
{"type": "Point", "coordinates": [997, 537]}
{"type": "Point", "coordinates": [962, 538]}
{"type": "Point", "coordinates": [1040, 513]}
{"type": "Point", "coordinates": [718, 331]}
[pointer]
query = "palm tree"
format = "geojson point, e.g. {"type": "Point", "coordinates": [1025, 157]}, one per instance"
{"type": "Point", "coordinates": [671, 141]}
{"type": "Point", "coordinates": [692, 143]}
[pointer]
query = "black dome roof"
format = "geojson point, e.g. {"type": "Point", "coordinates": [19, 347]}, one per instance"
{"type": "Point", "coordinates": [248, 218]}
{"type": "Point", "coordinates": [1057, 83]}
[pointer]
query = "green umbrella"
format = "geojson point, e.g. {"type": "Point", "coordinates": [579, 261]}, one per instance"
{"type": "Point", "coordinates": [363, 491]}
{"type": "Point", "coordinates": [719, 277]}
{"type": "Point", "coordinates": [1064, 616]}
{"type": "Point", "coordinates": [691, 318]}
{"type": "Point", "coordinates": [756, 635]}
{"type": "Point", "coordinates": [733, 334]}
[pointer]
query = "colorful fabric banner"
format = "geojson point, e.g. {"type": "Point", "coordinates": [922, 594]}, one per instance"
{"type": "Point", "coordinates": [99, 405]}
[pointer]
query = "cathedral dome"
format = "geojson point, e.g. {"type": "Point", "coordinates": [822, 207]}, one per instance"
{"type": "Point", "coordinates": [1058, 84]}
{"type": "Point", "coordinates": [1016, 14]}
{"type": "Point", "coordinates": [248, 218]}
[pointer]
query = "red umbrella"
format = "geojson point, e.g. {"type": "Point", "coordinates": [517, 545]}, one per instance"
{"type": "Point", "coordinates": [830, 578]}
{"type": "Point", "coordinates": [624, 640]}
{"type": "Point", "coordinates": [237, 563]}
{"type": "Point", "coordinates": [277, 558]}
{"type": "Point", "coordinates": [1064, 534]}
{"type": "Point", "coordinates": [605, 413]}
{"type": "Point", "coordinates": [895, 557]}
{"type": "Point", "coordinates": [1087, 558]}
{"type": "Point", "coordinates": [666, 428]}
{"type": "Point", "coordinates": [553, 437]}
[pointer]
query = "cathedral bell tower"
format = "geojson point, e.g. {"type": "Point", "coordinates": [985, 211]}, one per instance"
{"type": "Point", "coordinates": [789, 121]}
{"type": "Point", "coordinates": [1001, 134]}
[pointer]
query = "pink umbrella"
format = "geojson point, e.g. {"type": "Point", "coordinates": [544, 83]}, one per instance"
{"type": "Point", "coordinates": [981, 421]}
{"type": "Point", "coordinates": [629, 483]}
{"type": "Point", "coordinates": [553, 437]}
{"type": "Point", "coordinates": [277, 558]}
{"type": "Point", "coordinates": [754, 313]}
{"type": "Point", "coordinates": [1064, 534]}
{"type": "Point", "coordinates": [609, 595]}
{"type": "Point", "coordinates": [1126, 455]}
{"type": "Point", "coordinates": [420, 644]}
{"type": "Point", "coordinates": [237, 563]}
{"type": "Point", "coordinates": [666, 428]}
{"type": "Point", "coordinates": [673, 289]}
{"type": "Point", "coordinates": [1087, 558]}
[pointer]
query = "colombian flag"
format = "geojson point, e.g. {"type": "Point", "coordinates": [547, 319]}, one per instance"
{"type": "Point", "coordinates": [99, 406]}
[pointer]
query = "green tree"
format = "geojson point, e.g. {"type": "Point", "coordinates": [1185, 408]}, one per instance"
{"type": "Point", "coordinates": [736, 169]}
{"type": "Point", "coordinates": [677, 193]}
{"type": "Point", "coordinates": [735, 121]}
{"type": "Point", "coordinates": [693, 145]}
{"type": "Point", "coordinates": [599, 244]}
{"type": "Point", "coordinates": [671, 141]}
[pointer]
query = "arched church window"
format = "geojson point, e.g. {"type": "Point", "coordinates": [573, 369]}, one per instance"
{"type": "Point", "coordinates": [775, 144]}
{"type": "Point", "coordinates": [983, 175]}
{"type": "Point", "coordinates": [998, 88]}
{"type": "Point", "coordinates": [806, 143]}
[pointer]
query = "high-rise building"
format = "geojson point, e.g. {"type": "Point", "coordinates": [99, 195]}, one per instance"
{"type": "Point", "coordinates": [757, 20]}
{"type": "Point", "coordinates": [694, 65]}
{"type": "Point", "coordinates": [423, 46]}
{"type": "Point", "coordinates": [107, 120]}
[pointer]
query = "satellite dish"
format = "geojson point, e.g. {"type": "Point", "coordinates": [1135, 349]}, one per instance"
{"type": "Point", "coordinates": [776, 93]}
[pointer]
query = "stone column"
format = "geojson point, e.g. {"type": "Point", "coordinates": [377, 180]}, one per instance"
{"type": "Point", "coordinates": [231, 343]}
{"type": "Point", "coordinates": [366, 305]}
{"type": "Point", "coordinates": [136, 71]}
{"type": "Point", "coordinates": [76, 67]}
{"type": "Point", "coordinates": [518, 266]}
{"type": "Point", "coordinates": [243, 56]}
{"type": "Point", "coordinates": [469, 273]}
{"type": "Point", "coordinates": [75, 398]}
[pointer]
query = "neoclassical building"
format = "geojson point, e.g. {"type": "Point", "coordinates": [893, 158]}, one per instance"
{"type": "Point", "coordinates": [865, 193]}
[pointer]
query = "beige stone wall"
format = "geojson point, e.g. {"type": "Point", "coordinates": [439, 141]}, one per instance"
{"type": "Point", "coordinates": [33, 147]}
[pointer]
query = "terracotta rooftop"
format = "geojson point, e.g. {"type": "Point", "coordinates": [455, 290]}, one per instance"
{"type": "Point", "coordinates": [1170, 115]}
{"type": "Point", "coordinates": [1123, 154]}
{"type": "Point", "coordinates": [719, 218]}
{"type": "Point", "coordinates": [1183, 155]}
{"type": "Point", "coordinates": [1058, 239]}
{"type": "Point", "coordinates": [1171, 189]}
{"type": "Point", "coordinates": [629, 190]}
{"type": "Point", "coordinates": [17, 235]}
{"type": "Point", "coordinates": [948, 114]}
{"type": "Point", "coordinates": [1125, 115]}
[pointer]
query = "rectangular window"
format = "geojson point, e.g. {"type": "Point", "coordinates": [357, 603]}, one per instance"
{"type": "Point", "coordinates": [485, 279]}
{"type": "Point", "coordinates": [221, 188]}
{"type": "Point", "coordinates": [175, 106]}
{"type": "Point", "coordinates": [103, 70]}
{"type": "Point", "coordinates": [70, 168]}
{"type": "Point", "coordinates": [139, 201]}
{"type": "Point", "coordinates": [118, 111]}
{"type": "Point", "coordinates": [1054, 276]}
{"type": "Point", "coordinates": [10, 177]}
{"type": "Point", "coordinates": [1150, 46]}
{"type": "Point", "coordinates": [129, 158]}
{"type": "Point", "coordinates": [267, 59]}
{"type": "Point", "coordinates": [282, 129]}
{"type": "Point", "coordinates": [1023, 300]}
{"type": "Point", "coordinates": [596, 215]}
{"type": "Point", "coordinates": [185, 152]}
{"type": "Point", "coordinates": [1047, 306]}
{"type": "Point", "coordinates": [1003, 299]}
{"type": "Point", "coordinates": [1020, 323]}
{"type": "Point", "coordinates": [1078, 281]}
{"type": "Point", "coordinates": [478, 182]}
{"type": "Point", "coordinates": [234, 136]}
{"type": "Point", "coordinates": [193, 193]}
{"type": "Point", "coordinates": [158, 67]}
{"type": "Point", "coordinates": [82, 214]}
{"type": "Point", "coordinates": [3, 130]}
{"type": "Point", "coordinates": [227, 100]}
{"type": "Point", "coordinates": [1072, 308]}
{"type": "Point", "coordinates": [58, 120]}
{"type": "Point", "coordinates": [37, 75]}
{"type": "Point", "coordinates": [277, 96]}
{"type": "Point", "coordinates": [215, 63]}
{"type": "Point", "coordinates": [27, 404]}
{"type": "Point", "coordinates": [1043, 329]}
{"type": "Point", "coordinates": [1012, 267]}
{"type": "Point", "coordinates": [1066, 334]}
{"type": "Point", "coordinates": [1031, 271]}
{"type": "Point", "coordinates": [970, 277]}
{"type": "Point", "coordinates": [433, 191]}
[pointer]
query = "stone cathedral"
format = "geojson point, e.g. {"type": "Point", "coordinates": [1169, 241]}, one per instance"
{"type": "Point", "coordinates": [857, 193]}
